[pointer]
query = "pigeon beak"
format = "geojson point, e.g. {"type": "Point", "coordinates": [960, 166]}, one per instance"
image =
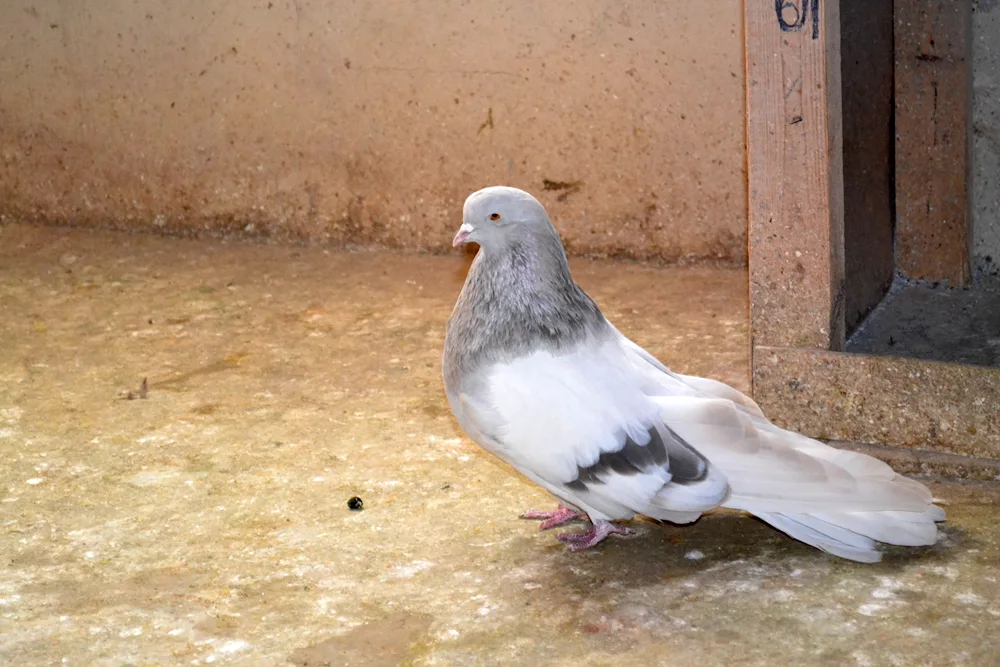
{"type": "Point", "coordinates": [463, 235]}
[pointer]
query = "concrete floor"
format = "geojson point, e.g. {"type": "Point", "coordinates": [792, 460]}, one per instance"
{"type": "Point", "coordinates": [208, 524]}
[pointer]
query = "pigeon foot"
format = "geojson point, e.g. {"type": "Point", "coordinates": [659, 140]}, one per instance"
{"type": "Point", "coordinates": [558, 517]}
{"type": "Point", "coordinates": [598, 532]}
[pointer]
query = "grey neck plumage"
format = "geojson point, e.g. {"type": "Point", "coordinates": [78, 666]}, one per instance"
{"type": "Point", "coordinates": [518, 299]}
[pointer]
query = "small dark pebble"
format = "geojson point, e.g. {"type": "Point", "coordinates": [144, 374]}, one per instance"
{"type": "Point", "coordinates": [355, 504]}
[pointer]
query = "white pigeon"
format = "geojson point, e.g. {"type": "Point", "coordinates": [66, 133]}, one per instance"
{"type": "Point", "coordinates": [536, 375]}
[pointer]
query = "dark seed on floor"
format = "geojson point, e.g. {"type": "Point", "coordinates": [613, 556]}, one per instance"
{"type": "Point", "coordinates": [355, 504]}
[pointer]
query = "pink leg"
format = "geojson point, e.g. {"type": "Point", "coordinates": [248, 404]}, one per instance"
{"type": "Point", "coordinates": [597, 533]}
{"type": "Point", "coordinates": [553, 519]}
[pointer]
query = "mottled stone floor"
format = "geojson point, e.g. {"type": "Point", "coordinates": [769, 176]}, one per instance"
{"type": "Point", "coordinates": [208, 522]}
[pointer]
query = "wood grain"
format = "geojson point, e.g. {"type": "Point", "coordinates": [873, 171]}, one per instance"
{"type": "Point", "coordinates": [933, 41]}
{"type": "Point", "coordinates": [795, 169]}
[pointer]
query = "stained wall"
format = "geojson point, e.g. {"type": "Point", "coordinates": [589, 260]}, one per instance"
{"type": "Point", "coordinates": [361, 122]}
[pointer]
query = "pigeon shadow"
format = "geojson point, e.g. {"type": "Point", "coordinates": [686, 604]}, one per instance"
{"type": "Point", "coordinates": [720, 542]}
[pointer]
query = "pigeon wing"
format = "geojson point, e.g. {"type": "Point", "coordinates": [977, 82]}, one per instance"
{"type": "Point", "coordinates": [579, 423]}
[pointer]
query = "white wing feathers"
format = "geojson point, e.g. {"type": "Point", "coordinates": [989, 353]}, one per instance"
{"type": "Point", "coordinates": [610, 430]}
{"type": "Point", "coordinates": [581, 425]}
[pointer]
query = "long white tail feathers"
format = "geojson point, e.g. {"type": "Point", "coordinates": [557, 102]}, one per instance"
{"type": "Point", "coordinates": [840, 501]}
{"type": "Point", "coordinates": [901, 511]}
{"type": "Point", "coordinates": [854, 535]}
{"type": "Point", "coordinates": [853, 532]}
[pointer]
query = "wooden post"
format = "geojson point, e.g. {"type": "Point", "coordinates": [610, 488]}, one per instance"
{"type": "Point", "coordinates": [801, 378]}
{"type": "Point", "coordinates": [933, 138]}
{"type": "Point", "coordinates": [795, 168]}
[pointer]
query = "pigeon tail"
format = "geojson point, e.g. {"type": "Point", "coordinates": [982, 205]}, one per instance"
{"type": "Point", "coordinates": [854, 535]}
{"type": "Point", "coordinates": [836, 500]}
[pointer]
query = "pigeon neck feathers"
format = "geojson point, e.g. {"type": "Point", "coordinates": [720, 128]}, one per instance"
{"type": "Point", "coordinates": [519, 299]}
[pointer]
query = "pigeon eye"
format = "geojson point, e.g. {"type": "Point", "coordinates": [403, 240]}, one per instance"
{"type": "Point", "coordinates": [494, 216]}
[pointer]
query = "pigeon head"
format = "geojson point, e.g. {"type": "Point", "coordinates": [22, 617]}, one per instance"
{"type": "Point", "coordinates": [496, 216]}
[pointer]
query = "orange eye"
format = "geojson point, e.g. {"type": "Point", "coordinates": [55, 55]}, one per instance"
{"type": "Point", "coordinates": [494, 216]}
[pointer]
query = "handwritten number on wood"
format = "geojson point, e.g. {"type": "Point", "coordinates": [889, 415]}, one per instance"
{"type": "Point", "coordinates": [806, 10]}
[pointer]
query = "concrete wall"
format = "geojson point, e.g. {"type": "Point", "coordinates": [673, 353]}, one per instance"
{"type": "Point", "coordinates": [356, 121]}
{"type": "Point", "coordinates": [986, 140]}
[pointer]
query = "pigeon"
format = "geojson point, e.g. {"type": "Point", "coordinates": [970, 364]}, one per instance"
{"type": "Point", "coordinates": [537, 376]}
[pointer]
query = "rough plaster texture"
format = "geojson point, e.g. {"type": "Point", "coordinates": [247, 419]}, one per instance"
{"type": "Point", "coordinates": [986, 146]}
{"type": "Point", "coordinates": [361, 122]}
{"type": "Point", "coordinates": [911, 403]}
{"type": "Point", "coordinates": [207, 523]}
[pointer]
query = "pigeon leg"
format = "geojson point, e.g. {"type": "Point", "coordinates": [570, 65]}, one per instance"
{"type": "Point", "coordinates": [597, 533]}
{"type": "Point", "coordinates": [552, 519]}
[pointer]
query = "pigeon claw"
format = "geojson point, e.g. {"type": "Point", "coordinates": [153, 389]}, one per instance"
{"type": "Point", "coordinates": [597, 534]}
{"type": "Point", "coordinates": [550, 520]}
